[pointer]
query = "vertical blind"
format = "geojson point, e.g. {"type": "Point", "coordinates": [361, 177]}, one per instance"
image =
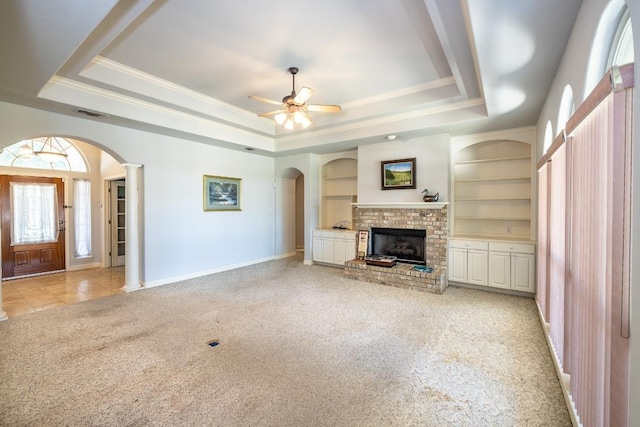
{"type": "Point", "coordinates": [584, 224]}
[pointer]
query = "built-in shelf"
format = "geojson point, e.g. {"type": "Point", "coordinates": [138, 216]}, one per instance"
{"type": "Point", "coordinates": [487, 199]}
{"type": "Point", "coordinates": [339, 190]}
{"type": "Point", "coordinates": [492, 218]}
{"type": "Point", "coordinates": [500, 159]}
{"type": "Point", "coordinates": [518, 178]}
{"type": "Point", "coordinates": [330, 178]}
{"type": "Point", "coordinates": [494, 237]}
{"type": "Point", "coordinates": [492, 187]}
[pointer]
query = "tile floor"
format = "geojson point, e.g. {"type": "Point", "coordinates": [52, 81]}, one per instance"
{"type": "Point", "coordinates": [28, 295]}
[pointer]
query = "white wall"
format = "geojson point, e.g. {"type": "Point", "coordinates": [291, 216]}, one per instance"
{"type": "Point", "coordinates": [180, 240]}
{"type": "Point", "coordinates": [573, 71]}
{"type": "Point", "coordinates": [432, 169]}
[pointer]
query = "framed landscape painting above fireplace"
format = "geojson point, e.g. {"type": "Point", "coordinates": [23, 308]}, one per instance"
{"type": "Point", "coordinates": [398, 174]}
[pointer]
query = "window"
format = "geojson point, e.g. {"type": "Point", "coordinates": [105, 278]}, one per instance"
{"type": "Point", "coordinates": [566, 109]}
{"type": "Point", "coordinates": [82, 217]}
{"type": "Point", "coordinates": [548, 136]}
{"type": "Point", "coordinates": [21, 154]}
{"type": "Point", "coordinates": [622, 49]}
{"type": "Point", "coordinates": [34, 214]}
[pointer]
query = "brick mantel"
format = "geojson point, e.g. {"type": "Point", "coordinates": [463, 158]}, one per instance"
{"type": "Point", "coordinates": [431, 217]}
{"type": "Point", "coordinates": [400, 205]}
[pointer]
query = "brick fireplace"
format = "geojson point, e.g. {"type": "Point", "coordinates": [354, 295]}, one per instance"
{"type": "Point", "coordinates": [431, 217]}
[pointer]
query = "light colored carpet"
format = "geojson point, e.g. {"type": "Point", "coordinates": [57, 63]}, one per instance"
{"type": "Point", "coordinates": [299, 345]}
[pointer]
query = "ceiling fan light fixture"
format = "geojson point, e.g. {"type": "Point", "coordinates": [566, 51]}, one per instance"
{"type": "Point", "coordinates": [288, 124]}
{"type": "Point", "coordinates": [280, 118]}
{"type": "Point", "coordinates": [294, 106]}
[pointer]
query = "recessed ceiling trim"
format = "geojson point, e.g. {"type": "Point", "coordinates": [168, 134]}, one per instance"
{"type": "Point", "coordinates": [410, 121]}
{"type": "Point", "coordinates": [70, 92]}
{"type": "Point", "coordinates": [425, 87]}
{"type": "Point", "coordinates": [115, 74]}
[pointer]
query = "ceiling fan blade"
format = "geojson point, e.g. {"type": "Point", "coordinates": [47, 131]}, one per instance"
{"type": "Point", "coordinates": [269, 101]}
{"type": "Point", "coordinates": [303, 94]}
{"type": "Point", "coordinates": [271, 113]}
{"type": "Point", "coordinates": [325, 108]}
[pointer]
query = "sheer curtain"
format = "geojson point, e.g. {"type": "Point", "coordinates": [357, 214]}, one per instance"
{"type": "Point", "coordinates": [34, 213]}
{"type": "Point", "coordinates": [82, 217]}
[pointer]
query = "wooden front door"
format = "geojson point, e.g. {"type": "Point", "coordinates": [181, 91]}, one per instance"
{"type": "Point", "coordinates": [33, 242]}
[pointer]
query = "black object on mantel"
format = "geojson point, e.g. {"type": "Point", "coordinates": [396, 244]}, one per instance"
{"type": "Point", "coordinates": [381, 260]}
{"type": "Point", "coordinates": [430, 197]}
{"type": "Point", "coordinates": [341, 225]}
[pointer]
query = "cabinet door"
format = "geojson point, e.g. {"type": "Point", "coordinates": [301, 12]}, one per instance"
{"type": "Point", "coordinates": [477, 267]}
{"type": "Point", "coordinates": [318, 249]}
{"type": "Point", "coordinates": [458, 265]}
{"type": "Point", "coordinates": [500, 269]}
{"type": "Point", "coordinates": [327, 250]}
{"type": "Point", "coordinates": [522, 272]}
{"type": "Point", "coordinates": [339, 251]}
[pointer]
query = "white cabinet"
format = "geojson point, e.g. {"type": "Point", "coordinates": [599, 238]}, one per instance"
{"type": "Point", "coordinates": [458, 265]}
{"type": "Point", "coordinates": [522, 272]}
{"type": "Point", "coordinates": [334, 247]}
{"type": "Point", "coordinates": [468, 261]}
{"type": "Point", "coordinates": [505, 265]}
{"type": "Point", "coordinates": [477, 267]}
{"type": "Point", "coordinates": [511, 266]}
{"type": "Point", "coordinates": [500, 268]}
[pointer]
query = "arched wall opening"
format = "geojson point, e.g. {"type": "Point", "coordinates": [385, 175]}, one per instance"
{"type": "Point", "coordinates": [290, 217]}
{"type": "Point", "coordinates": [102, 165]}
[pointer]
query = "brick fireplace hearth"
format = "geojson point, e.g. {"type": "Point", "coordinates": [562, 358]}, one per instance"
{"type": "Point", "coordinates": [431, 217]}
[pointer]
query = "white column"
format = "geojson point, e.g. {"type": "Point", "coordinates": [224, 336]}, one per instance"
{"type": "Point", "coordinates": [132, 244]}
{"type": "Point", "coordinates": [3, 315]}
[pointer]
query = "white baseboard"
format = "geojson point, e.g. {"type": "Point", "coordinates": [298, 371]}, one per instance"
{"type": "Point", "coordinates": [287, 255]}
{"type": "Point", "coordinates": [308, 262]}
{"type": "Point", "coordinates": [562, 377]}
{"type": "Point", "coordinates": [160, 282]}
{"type": "Point", "coordinates": [86, 266]}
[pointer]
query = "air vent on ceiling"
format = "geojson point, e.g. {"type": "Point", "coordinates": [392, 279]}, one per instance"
{"type": "Point", "coordinates": [90, 113]}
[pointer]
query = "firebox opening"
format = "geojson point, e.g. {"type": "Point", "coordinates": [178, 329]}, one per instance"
{"type": "Point", "coordinates": [407, 245]}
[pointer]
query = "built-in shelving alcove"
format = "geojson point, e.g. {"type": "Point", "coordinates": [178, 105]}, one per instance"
{"type": "Point", "coordinates": [339, 190]}
{"type": "Point", "coordinates": [492, 191]}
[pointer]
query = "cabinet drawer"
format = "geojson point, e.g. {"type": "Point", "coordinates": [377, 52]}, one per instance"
{"type": "Point", "coordinates": [323, 233]}
{"type": "Point", "coordinates": [346, 235]}
{"type": "Point", "coordinates": [522, 248]}
{"type": "Point", "coordinates": [469, 244]}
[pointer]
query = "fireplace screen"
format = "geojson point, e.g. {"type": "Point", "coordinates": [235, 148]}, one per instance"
{"type": "Point", "coordinates": [407, 245]}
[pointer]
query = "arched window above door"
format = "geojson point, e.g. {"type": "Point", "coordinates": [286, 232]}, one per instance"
{"type": "Point", "coordinates": [622, 48]}
{"type": "Point", "coordinates": [44, 153]}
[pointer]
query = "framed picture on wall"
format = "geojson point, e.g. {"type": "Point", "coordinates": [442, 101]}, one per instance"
{"type": "Point", "coordinates": [398, 174]}
{"type": "Point", "coordinates": [221, 193]}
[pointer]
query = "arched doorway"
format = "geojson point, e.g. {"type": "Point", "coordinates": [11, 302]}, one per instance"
{"type": "Point", "coordinates": [289, 219]}
{"type": "Point", "coordinates": [81, 169]}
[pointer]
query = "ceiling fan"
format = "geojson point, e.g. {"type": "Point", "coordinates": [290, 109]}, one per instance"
{"type": "Point", "coordinates": [294, 107]}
